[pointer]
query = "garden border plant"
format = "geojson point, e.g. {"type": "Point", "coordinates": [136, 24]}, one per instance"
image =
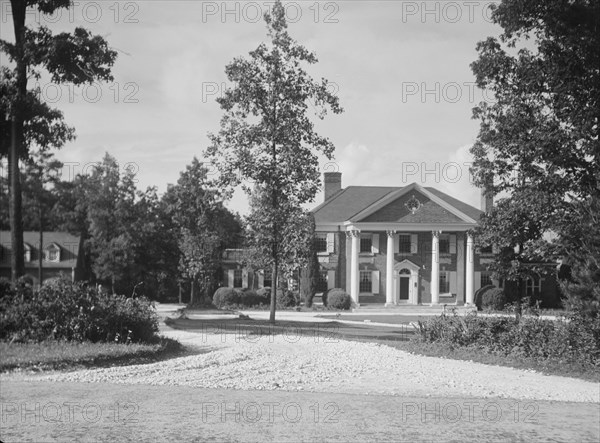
{"type": "Point", "coordinates": [574, 339]}
{"type": "Point", "coordinates": [62, 310]}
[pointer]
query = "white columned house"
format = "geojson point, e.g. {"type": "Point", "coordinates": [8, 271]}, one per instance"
{"type": "Point", "coordinates": [427, 256]}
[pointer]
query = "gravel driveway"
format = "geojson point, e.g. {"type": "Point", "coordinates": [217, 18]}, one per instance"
{"type": "Point", "coordinates": [323, 364]}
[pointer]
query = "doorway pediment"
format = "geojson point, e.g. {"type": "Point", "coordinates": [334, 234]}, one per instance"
{"type": "Point", "coordinates": [406, 264]}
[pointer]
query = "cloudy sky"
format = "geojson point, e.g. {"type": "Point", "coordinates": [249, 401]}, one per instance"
{"type": "Point", "coordinates": [400, 69]}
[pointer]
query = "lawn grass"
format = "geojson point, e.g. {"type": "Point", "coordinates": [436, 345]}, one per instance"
{"type": "Point", "coordinates": [547, 367]}
{"type": "Point", "coordinates": [63, 355]}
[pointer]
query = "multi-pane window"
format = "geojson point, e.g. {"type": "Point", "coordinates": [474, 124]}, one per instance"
{"type": "Point", "coordinates": [366, 243]}
{"type": "Point", "coordinates": [322, 282]}
{"type": "Point", "coordinates": [486, 279]}
{"type": "Point", "coordinates": [534, 285]}
{"type": "Point", "coordinates": [404, 247]}
{"type": "Point", "coordinates": [267, 282]}
{"type": "Point", "coordinates": [321, 242]}
{"type": "Point", "coordinates": [444, 244]}
{"type": "Point", "coordinates": [366, 283]}
{"type": "Point", "coordinates": [237, 278]}
{"type": "Point", "coordinates": [444, 282]}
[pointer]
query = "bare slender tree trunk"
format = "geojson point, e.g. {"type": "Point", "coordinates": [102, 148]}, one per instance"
{"type": "Point", "coordinates": [17, 263]}
{"type": "Point", "coordinates": [274, 285]}
{"type": "Point", "coordinates": [41, 247]}
{"type": "Point", "coordinates": [17, 141]}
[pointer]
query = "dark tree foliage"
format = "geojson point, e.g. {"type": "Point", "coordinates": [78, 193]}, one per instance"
{"type": "Point", "coordinates": [538, 147]}
{"type": "Point", "coordinates": [202, 227]}
{"type": "Point", "coordinates": [25, 120]}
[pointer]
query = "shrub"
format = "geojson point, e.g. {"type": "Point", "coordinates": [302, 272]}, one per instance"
{"type": "Point", "coordinates": [325, 296]}
{"type": "Point", "coordinates": [250, 298]}
{"type": "Point", "coordinates": [286, 298]}
{"type": "Point", "coordinates": [264, 295]}
{"type": "Point", "coordinates": [478, 293]}
{"type": "Point", "coordinates": [339, 300]}
{"type": "Point", "coordinates": [494, 299]}
{"type": "Point", "coordinates": [6, 288]}
{"type": "Point", "coordinates": [575, 341]}
{"type": "Point", "coordinates": [224, 297]}
{"type": "Point", "coordinates": [62, 310]}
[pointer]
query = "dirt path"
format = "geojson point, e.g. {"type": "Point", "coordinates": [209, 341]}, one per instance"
{"type": "Point", "coordinates": [56, 411]}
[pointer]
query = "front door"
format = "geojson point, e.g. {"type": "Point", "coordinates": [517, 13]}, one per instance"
{"type": "Point", "coordinates": [404, 288]}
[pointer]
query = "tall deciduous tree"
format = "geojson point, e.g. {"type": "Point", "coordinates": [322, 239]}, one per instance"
{"type": "Point", "coordinates": [538, 140]}
{"type": "Point", "coordinates": [266, 134]}
{"type": "Point", "coordinates": [77, 58]}
{"type": "Point", "coordinates": [204, 226]}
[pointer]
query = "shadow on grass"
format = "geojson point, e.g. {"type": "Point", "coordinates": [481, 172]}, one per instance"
{"type": "Point", "coordinates": [66, 356]}
{"type": "Point", "coordinates": [252, 330]}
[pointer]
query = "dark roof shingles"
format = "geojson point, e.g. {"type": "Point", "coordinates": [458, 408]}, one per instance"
{"type": "Point", "coordinates": [353, 199]}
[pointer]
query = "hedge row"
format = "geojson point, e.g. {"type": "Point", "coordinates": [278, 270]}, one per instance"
{"type": "Point", "coordinates": [575, 340]}
{"type": "Point", "coordinates": [228, 298]}
{"type": "Point", "coordinates": [61, 310]}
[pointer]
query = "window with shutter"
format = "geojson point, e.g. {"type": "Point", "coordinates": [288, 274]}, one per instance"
{"type": "Point", "coordinates": [405, 243]}
{"type": "Point", "coordinates": [321, 242]}
{"type": "Point", "coordinates": [444, 282]}
{"type": "Point", "coordinates": [366, 283]}
{"type": "Point", "coordinates": [366, 243]}
{"type": "Point", "coordinates": [237, 278]}
{"type": "Point", "coordinates": [444, 244]}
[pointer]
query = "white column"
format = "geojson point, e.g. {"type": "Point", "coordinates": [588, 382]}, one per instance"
{"type": "Point", "coordinates": [470, 271]}
{"type": "Point", "coordinates": [389, 269]}
{"type": "Point", "coordinates": [354, 274]}
{"type": "Point", "coordinates": [435, 267]}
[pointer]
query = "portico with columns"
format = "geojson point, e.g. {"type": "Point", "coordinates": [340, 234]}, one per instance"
{"type": "Point", "coordinates": [400, 246]}
{"type": "Point", "coordinates": [407, 275]}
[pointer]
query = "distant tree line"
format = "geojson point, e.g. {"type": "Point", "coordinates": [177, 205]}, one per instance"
{"type": "Point", "coordinates": [133, 239]}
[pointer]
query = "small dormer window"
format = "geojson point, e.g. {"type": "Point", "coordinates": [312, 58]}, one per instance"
{"type": "Point", "coordinates": [52, 253]}
{"type": "Point", "coordinates": [26, 253]}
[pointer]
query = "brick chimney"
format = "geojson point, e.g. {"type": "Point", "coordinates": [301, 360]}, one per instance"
{"type": "Point", "coordinates": [487, 199]}
{"type": "Point", "coordinates": [332, 182]}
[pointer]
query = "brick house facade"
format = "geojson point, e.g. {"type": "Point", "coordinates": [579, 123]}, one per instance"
{"type": "Point", "coordinates": [395, 246]}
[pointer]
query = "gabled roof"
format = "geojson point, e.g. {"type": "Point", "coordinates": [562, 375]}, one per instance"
{"type": "Point", "coordinates": [68, 243]}
{"type": "Point", "coordinates": [349, 202]}
{"type": "Point", "coordinates": [356, 203]}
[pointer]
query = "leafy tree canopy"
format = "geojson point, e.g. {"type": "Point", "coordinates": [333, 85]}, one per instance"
{"type": "Point", "coordinates": [267, 137]}
{"type": "Point", "coordinates": [538, 146]}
